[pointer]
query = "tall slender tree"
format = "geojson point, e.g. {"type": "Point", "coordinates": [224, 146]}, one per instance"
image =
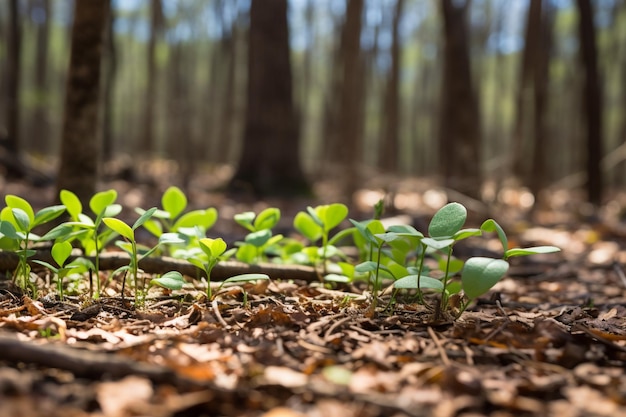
{"type": "Point", "coordinates": [459, 127]}
{"type": "Point", "coordinates": [13, 74]}
{"type": "Point", "coordinates": [390, 146]}
{"type": "Point", "coordinates": [80, 150]}
{"type": "Point", "coordinates": [270, 160]}
{"type": "Point", "coordinates": [592, 101]}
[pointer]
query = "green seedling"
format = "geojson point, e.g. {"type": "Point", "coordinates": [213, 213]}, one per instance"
{"type": "Point", "coordinates": [17, 221]}
{"type": "Point", "coordinates": [213, 251]}
{"type": "Point", "coordinates": [172, 218]}
{"type": "Point", "coordinates": [172, 280]}
{"type": "Point", "coordinates": [87, 231]}
{"type": "Point", "coordinates": [60, 252]}
{"type": "Point", "coordinates": [260, 239]}
{"type": "Point", "coordinates": [315, 224]}
{"type": "Point", "coordinates": [237, 279]}
{"type": "Point", "coordinates": [129, 245]}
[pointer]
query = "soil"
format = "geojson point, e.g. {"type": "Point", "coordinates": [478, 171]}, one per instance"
{"type": "Point", "coordinates": [548, 340]}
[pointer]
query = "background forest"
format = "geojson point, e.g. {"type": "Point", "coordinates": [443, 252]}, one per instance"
{"type": "Point", "coordinates": [276, 95]}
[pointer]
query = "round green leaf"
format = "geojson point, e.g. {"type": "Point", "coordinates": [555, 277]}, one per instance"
{"type": "Point", "coordinates": [100, 201]}
{"type": "Point", "coordinates": [267, 219]}
{"type": "Point", "coordinates": [174, 201]}
{"type": "Point", "coordinates": [61, 251]}
{"type": "Point", "coordinates": [410, 282]}
{"type": "Point", "coordinates": [203, 218]}
{"type": "Point", "coordinates": [480, 274]}
{"type": "Point", "coordinates": [172, 280]}
{"type": "Point", "coordinates": [447, 221]}
{"type": "Point", "coordinates": [332, 214]}
{"type": "Point", "coordinates": [14, 201]}
{"type": "Point", "coordinates": [72, 203]}
{"type": "Point", "coordinates": [437, 244]}
{"type": "Point", "coordinates": [259, 238]}
{"type": "Point", "coordinates": [307, 226]}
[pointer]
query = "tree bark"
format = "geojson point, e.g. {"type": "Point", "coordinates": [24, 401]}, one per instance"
{"type": "Point", "coordinates": [146, 146]}
{"type": "Point", "coordinates": [592, 101]}
{"type": "Point", "coordinates": [80, 150]}
{"type": "Point", "coordinates": [390, 146]}
{"type": "Point", "coordinates": [40, 123]}
{"type": "Point", "coordinates": [459, 128]}
{"type": "Point", "coordinates": [270, 160]}
{"type": "Point", "coordinates": [14, 54]}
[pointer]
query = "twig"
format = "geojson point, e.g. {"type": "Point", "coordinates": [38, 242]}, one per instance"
{"type": "Point", "coordinates": [442, 352]}
{"type": "Point", "coordinates": [216, 310]}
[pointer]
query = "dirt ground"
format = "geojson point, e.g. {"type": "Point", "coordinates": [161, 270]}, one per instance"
{"type": "Point", "coordinates": [548, 340]}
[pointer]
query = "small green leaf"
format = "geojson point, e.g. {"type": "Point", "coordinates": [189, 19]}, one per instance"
{"type": "Point", "coordinates": [47, 265]}
{"type": "Point", "coordinates": [100, 201]}
{"type": "Point", "coordinates": [307, 227]}
{"type": "Point", "coordinates": [214, 248]}
{"type": "Point", "coordinates": [437, 244]}
{"type": "Point", "coordinates": [337, 278]}
{"type": "Point", "coordinates": [174, 201]}
{"type": "Point", "coordinates": [120, 227]}
{"type": "Point", "coordinates": [14, 201]}
{"type": "Point", "coordinates": [447, 221]}
{"type": "Point", "coordinates": [332, 215]}
{"type": "Point", "coordinates": [480, 274]}
{"type": "Point", "coordinates": [365, 229]}
{"type": "Point", "coordinates": [367, 266]}
{"type": "Point", "coordinates": [410, 283]}
{"type": "Point", "coordinates": [172, 239]}
{"type": "Point", "coordinates": [267, 219]}
{"type": "Point", "coordinates": [247, 278]}
{"type": "Point", "coordinates": [144, 217]}
{"type": "Point", "coordinates": [490, 225]}
{"type": "Point", "coordinates": [112, 210]}
{"type": "Point", "coordinates": [172, 280]}
{"type": "Point", "coordinates": [61, 251]}
{"type": "Point", "coordinates": [47, 214]}
{"type": "Point", "coordinates": [154, 227]}
{"type": "Point", "coordinates": [8, 229]}
{"type": "Point", "coordinates": [245, 220]}
{"type": "Point", "coordinates": [405, 230]}
{"type": "Point", "coordinates": [259, 238]}
{"type": "Point", "coordinates": [465, 233]}
{"type": "Point", "coordinates": [203, 218]}
{"type": "Point", "coordinates": [246, 253]}
{"type": "Point", "coordinates": [72, 203]}
{"type": "Point", "coordinates": [530, 251]}
{"type": "Point", "coordinates": [22, 220]}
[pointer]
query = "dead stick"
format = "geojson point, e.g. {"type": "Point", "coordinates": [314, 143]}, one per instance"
{"type": "Point", "coordinates": [160, 265]}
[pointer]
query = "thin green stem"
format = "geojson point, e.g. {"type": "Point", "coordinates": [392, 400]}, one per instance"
{"type": "Point", "coordinates": [444, 296]}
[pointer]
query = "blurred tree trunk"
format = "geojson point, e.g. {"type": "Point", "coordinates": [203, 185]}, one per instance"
{"type": "Point", "coordinates": [40, 124]}
{"type": "Point", "coordinates": [13, 74]}
{"type": "Point", "coordinates": [80, 150]}
{"type": "Point", "coordinates": [146, 145]}
{"type": "Point", "coordinates": [592, 101]}
{"type": "Point", "coordinates": [270, 160]}
{"type": "Point", "coordinates": [389, 149]}
{"type": "Point", "coordinates": [530, 141]}
{"type": "Point", "coordinates": [108, 87]}
{"type": "Point", "coordinates": [348, 148]}
{"type": "Point", "coordinates": [459, 129]}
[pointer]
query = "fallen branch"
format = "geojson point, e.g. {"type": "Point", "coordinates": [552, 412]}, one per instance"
{"type": "Point", "coordinates": [160, 265]}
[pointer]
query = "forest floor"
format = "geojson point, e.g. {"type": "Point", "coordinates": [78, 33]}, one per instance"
{"type": "Point", "coordinates": [548, 340]}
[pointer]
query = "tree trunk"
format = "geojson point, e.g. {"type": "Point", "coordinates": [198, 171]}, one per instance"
{"type": "Point", "coordinates": [389, 150]}
{"type": "Point", "coordinates": [78, 170]}
{"type": "Point", "coordinates": [40, 124]}
{"type": "Point", "coordinates": [459, 129]}
{"type": "Point", "coordinates": [14, 53]}
{"type": "Point", "coordinates": [270, 160]}
{"type": "Point", "coordinates": [592, 101]}
{"type": "Point", "coordinates": [349, 143]}
{"type": "Point", "coordinates": [146, 145]}
{"type": "Point", "coordinates": [108, 87]}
